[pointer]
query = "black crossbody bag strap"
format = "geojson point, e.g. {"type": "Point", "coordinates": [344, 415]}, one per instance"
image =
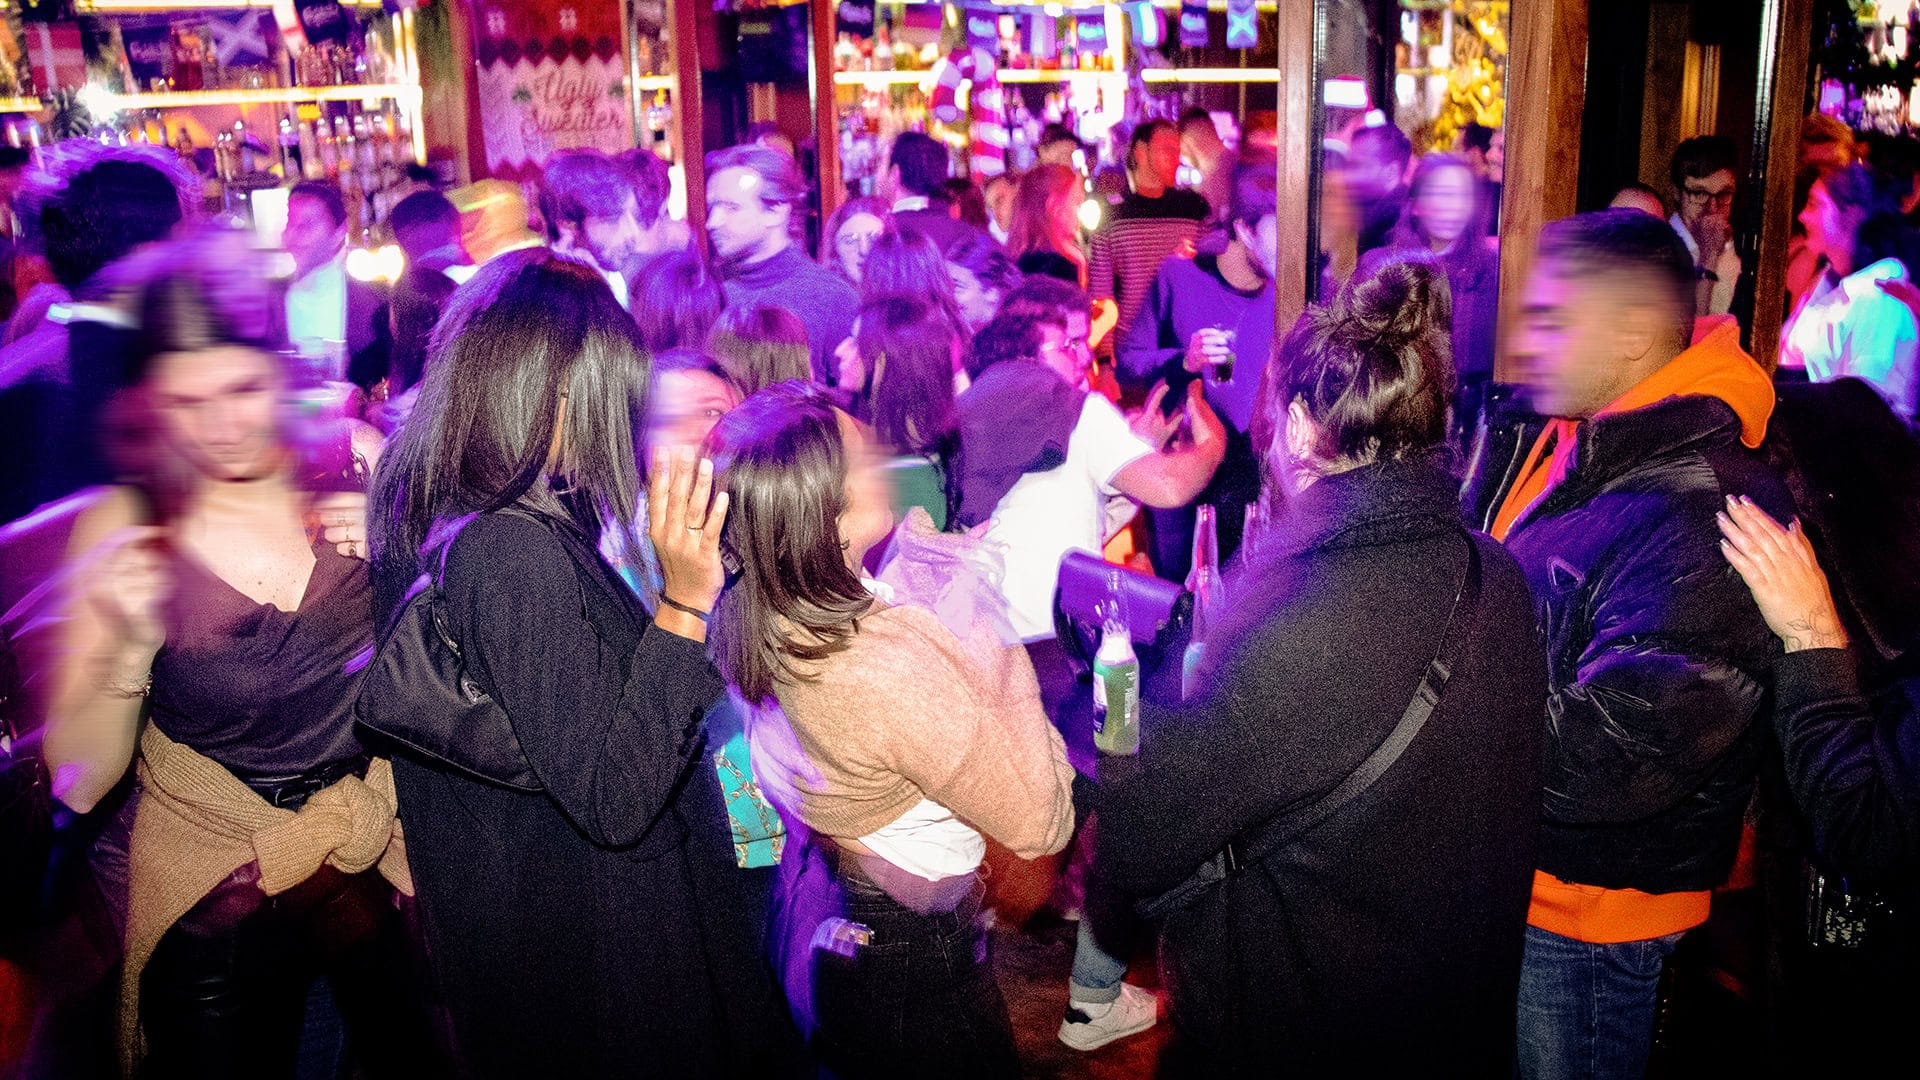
{"type": "Point", "coordinates": [1250, 847]}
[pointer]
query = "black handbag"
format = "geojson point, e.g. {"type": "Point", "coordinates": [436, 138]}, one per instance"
{"type": "Point", "coordinates": [1256, 844]}
{"type": "Point", "coordinates": [428, 704]}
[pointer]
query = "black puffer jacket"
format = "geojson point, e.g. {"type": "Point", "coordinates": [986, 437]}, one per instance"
{"type": "Point", "coordinates": [1656, 655]}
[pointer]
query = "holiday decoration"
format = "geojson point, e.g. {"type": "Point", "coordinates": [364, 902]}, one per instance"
{"type": "Point", "coordinates": [986, 106]}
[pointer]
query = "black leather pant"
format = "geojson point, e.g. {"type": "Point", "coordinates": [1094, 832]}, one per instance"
{"type": "Point", "coordinates": [225, 992]}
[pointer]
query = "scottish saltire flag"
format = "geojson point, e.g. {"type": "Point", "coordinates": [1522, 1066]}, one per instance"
{"type": "Point", "coordinates": [1242, 31]}
{"type": "Point", "coordinates": [241, 39]}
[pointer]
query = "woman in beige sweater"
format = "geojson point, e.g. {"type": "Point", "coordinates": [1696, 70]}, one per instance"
{"type": "Point", "coordinates": [902, 743]}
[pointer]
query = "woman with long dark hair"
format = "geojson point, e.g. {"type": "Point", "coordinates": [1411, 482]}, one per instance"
{"type": "Point", "coordinates": [211, 605]}
{"type": "Point", "coordinates": [1445, 219]}
{"type": "Point", "coordinates": [1045, 235]}
{"type": "Point", "coordinates": [899, 368]}
{"type": "Point", "coordinates": [908, 263]}
{"type": "Point", "coordinates": [851, 230]}
{"type": "Point", "coordinates": [675, 301]}
{"type": "Point", "coordinates": [596, 923]}
{"type": "Point", "coordinates": [1382, 934]}
{"type": "Point", "coordinates": [1862, 315]}
{"type": "Point", "coordinates": [884, 953]}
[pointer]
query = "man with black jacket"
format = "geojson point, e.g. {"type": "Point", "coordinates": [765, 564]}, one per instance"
{"type": "Point", "coordinates": [1657, 657]}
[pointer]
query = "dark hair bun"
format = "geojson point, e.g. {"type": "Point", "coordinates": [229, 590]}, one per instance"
{"type": "Point", "coordinates": [1403, 299]}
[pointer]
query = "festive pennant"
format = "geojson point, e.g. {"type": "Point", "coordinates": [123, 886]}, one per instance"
{"type": "Point", "coordinates": [921, 17]}
{"type": "Point", "coordinates": [323, 21]}
{"type": "Point", "coordinates": [239, 39]}
{"type": "Point", "coordinates": [855, 18]}
{"type": "Point", "coordinates": [1149, 26]}
{"type": "Point", "coordinates": [288, 18]}
{"type": "Point", "coordinates": [149, 52]}
{"type": "Point", "coordinates": [1042, 37]}
{"type": "Point", "coordinates": [983, 29]}
{"type": "Point", "coordinates": [1243, 31]}
{"type": "Point", "coordinates": [1090, 34]}
{"type": "Point", "coordinates": [1193, 24]}
{"type": "Point", "coordinates": [58, 60]}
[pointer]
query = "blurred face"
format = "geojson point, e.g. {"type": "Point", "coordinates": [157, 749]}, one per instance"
{"type": "Point", "coordinates": [1063, 210]}
{"type": "Point", "coordinates": [854, 240]}
{"type": "Point", "coordinates": [611, 242]}
{"type": "Point", "coordinates": [686, 405]}
{"type": "Point", "coordinates": [849, 371]}
{"type": "Point", "coordinates": [978, 303]}
{"type": "Point", "coordinates": [1829, 229]}
{"type": "Point", "coordinates": [1201, 147]}
{"type": "Point", "coordinates": [868, 518]}
{"type": "Point", "coordinates": [1567, 351]}
{"type": "Point", "coordinates": [220, 409]}
{"type": "Point", "coordinates": [1497, 157]}
{"type": "Point", "coordinates": [1057, 153]}
{"type": "Point", "coordinates": [1445, 205]}
{"type": "Point", "coordinates": [1262, 243]}
{"type": "Point", "coordinates": [1000, 193]}
{"type": "Point", "coordinates": [739, 224]}
{"type": "Point", "coordinates": [1066, 355]}
{"type": "Point", "coordinates": [1706, 197]}
{"type": "Point", "coordinates": [1159, 159]}
{"type": "Point", "coordinates": [312, 237]}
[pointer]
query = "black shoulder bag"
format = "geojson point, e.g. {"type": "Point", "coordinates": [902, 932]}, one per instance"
{"type": "Point", "coordinates": [1256, 844]}
{"type": "Point", "coordinates": [430, 706]}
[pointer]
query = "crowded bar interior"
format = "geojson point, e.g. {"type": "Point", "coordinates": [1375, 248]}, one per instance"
{"type": "Point", "coordinates": [959, 538]}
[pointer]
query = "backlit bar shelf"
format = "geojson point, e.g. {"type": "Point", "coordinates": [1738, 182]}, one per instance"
{"type": "Point", "coordinates": [278, 95]}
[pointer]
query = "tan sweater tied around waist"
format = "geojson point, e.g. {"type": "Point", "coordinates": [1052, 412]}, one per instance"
{"type": "Point", "coordinates": [197, 823]}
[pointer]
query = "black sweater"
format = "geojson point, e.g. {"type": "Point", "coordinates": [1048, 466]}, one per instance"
{"type": "Point", "coordinates": [1388, 938]}
{"type": "Point", "coordinates": [600, 925]}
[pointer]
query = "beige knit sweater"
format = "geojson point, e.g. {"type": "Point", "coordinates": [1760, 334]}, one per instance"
{"type": "Point", "coordinates": [908, 710]}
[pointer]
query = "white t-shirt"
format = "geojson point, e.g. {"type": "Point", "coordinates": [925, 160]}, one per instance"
{"type": "Point", "coordinates": [929, 842]}
{"type": "Point", "coordinates": [317, 305]}
{"type": "Point", "coordinates": [1047, 514]}
{"type": "Point", "coordinates": [1854, 326]}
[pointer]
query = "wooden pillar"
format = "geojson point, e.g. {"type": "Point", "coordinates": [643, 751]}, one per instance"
{"type": "Point", "coordinates": [1299, 148]}
{"type": "Point", "coordinates": [1786, 33]}
{"type": "Point", "coordinates": [687, 117]}
{"type": "Point", "coordinates": [1546, 91]}
{"type": "Point", "coordinates": [826, 114]}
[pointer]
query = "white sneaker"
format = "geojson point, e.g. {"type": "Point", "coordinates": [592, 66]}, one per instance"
{"type": "Point", "coordinates": [1090, 1027]}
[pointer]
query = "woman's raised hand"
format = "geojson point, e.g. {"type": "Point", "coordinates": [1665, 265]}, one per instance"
{"type": "Point", "coordinates": [1779, 567]}
{"type": "Point", "coordinates": [684, 519]}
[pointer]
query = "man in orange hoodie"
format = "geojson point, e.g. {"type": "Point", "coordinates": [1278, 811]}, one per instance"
{"type": "Point", "coordinates": [1656, 658]}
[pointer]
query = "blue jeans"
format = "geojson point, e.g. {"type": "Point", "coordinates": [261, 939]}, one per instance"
{"type": "Point", "coordinates": [1096, 975]}
{"type": "Point", "coordinates": [1586, 1011]}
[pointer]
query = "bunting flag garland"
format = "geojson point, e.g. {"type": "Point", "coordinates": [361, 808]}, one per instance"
{"type": "Point", "coordinates": [986, 106]}
{"type": "Point", "coordinates": [1149, 26]}
{"type": "Point", "coordinates": [855, 17]}
{"type": "Point", "coordinates": [1090, 34]}
{"type": "Point", "coordinates": [240, 39]}
{"type": "Point", "coordinates": [1043, 37]}
{"type": "Point", "coordinates": [1243, 29]}
{"type": "Point", "coordinates": [149, 53]}
{"type": "Point", "coordinates": [58, 60]}
{"type": "Point", "coordinates": [1193, 24]}
{"type": "Point", "coordinates": [983, 29]}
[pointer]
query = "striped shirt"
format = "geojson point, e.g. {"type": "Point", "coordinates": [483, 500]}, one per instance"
{"type": "Point", "coordinates": [1127, 251]}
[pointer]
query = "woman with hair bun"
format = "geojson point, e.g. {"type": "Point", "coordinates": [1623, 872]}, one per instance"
{"type": "Point", "coordinates": [1382, 933]}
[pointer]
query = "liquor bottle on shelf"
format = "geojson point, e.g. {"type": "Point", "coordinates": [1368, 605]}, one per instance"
{"type": "Point", "coordinates": [244, 148]}
{"type": "Point", "coordinates": [183, 143]}
{"type": "Point", "coordinates": [329, 152]}
{"type": "Point", "coordinates": [883, 45]}
{"type": "Point", "coordinates": [311, 167]}
{"type": "Point", "coordinates": [290, 160]}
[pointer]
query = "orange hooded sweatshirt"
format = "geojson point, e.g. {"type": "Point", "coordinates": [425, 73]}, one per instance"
{"type": "Point", "coordinates": [1715, 366]}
